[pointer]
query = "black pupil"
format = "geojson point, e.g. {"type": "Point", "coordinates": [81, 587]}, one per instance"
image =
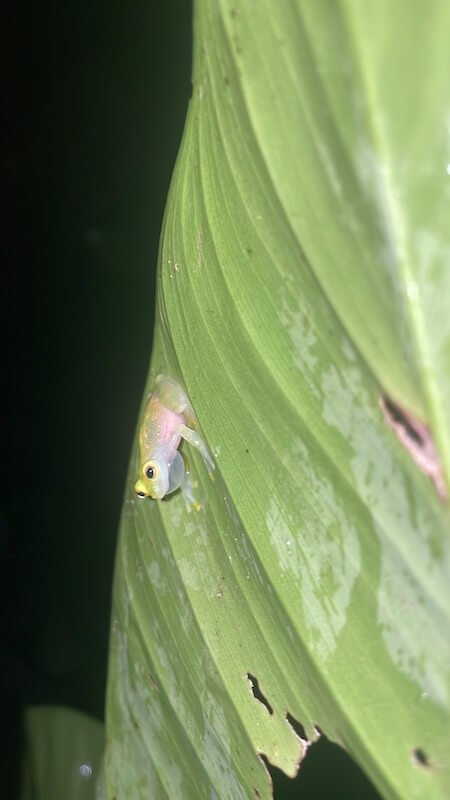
{"type": "Point", "coordinates": [149, 472]}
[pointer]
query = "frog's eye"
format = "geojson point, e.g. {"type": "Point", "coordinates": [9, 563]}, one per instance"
{"type": "Point", "coordinates": [151, 470]}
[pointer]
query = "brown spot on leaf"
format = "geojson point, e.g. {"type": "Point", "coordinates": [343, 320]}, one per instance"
{"type": "Point", "coordinates": [415, 437]}
{"type": "Point", "coordinates": [420, 758]}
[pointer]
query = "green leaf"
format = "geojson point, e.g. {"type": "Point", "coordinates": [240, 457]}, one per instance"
{"type": "Point", "coordinates": [303, 276]}
{"type": "Point", "coordinates": [62, 757]}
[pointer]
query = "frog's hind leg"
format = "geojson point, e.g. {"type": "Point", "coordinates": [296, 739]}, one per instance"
{"type": "Point", "coordinates": [194, 439]}
{"type": "Point", "coordinates": [173, 397]}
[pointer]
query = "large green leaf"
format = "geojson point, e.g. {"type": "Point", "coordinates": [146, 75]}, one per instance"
{"type": "Point", "coordinates": [303, 274]}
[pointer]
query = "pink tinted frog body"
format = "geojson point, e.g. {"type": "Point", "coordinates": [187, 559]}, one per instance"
{"type": "Point", "coordinates": [168, 418]}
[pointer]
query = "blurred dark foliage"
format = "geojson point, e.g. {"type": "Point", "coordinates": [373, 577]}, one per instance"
{"type": "Point", "coordinates": [94, 102]}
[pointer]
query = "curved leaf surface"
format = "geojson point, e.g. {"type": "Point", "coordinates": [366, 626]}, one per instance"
{"type": "Point", "coordinates": [303, 276]}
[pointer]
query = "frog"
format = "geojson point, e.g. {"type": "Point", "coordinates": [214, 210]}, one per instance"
{"type": "Point", "coordinates": [168, 420]}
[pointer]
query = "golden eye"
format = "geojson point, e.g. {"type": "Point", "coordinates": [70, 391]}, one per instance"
{"type": "Point", "coordinates": [151, 470]}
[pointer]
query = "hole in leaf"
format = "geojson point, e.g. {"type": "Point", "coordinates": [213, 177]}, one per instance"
{"type": "Point", "coordinates": [298, 727]}
{"type": "Point", "coordinates": [256, 792]}
{"type": "Point", "coordinates": [415, 437]}
{"type": "Point", "coordinates": [420, 758]}
{"type": "Point", "coordinates": [327, 771]}
{"type": "Point", "coordinates": [257, 693]}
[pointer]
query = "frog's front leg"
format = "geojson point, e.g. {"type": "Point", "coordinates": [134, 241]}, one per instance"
{"type": "Point", "coordinates": [179, 477]}
{"type": "Point", "coordinates": [188, 489]}
{"type": "Point", "coordinates": [194, 439]}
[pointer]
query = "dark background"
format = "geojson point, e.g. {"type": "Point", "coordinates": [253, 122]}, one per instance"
{"type": "Point", "coordinates": [94, 102]}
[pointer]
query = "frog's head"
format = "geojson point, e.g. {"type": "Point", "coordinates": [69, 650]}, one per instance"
{"type": "Point", "coordinates": [153, 480]}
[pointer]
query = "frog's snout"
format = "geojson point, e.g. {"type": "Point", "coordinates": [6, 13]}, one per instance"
{"type": "Point", "coordinates": [139, 490]}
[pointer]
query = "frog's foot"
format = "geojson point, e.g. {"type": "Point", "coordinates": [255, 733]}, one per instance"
{"type": "Point", "coordinates": [192, 505]}
{"type": "Point", "coordinates": [188, 488]}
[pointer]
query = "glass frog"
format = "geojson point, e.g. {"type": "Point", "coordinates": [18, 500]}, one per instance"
{"type": "Point", "coordinates": [168, 418]}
